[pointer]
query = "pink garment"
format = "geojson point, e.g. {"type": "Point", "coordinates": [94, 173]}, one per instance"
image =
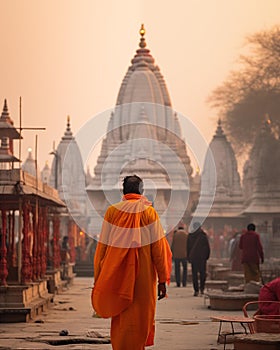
{"type": "Point", "coordinates": [270, 292]}
{"type": "Point", "coordinates": [252, 249]}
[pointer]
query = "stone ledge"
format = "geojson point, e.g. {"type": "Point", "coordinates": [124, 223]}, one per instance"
{"type": "Point", "coordinates": [11, 314]}
{"type": "Point", "coordinates": [216, 284]}
{"type": "Point", "coordinates": [229, 301]}
{"type": "Point", "coordinates": [257, 341]}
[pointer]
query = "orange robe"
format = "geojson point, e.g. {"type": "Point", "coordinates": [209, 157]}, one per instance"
{"type": "Point", "coordinates": [131, 257]}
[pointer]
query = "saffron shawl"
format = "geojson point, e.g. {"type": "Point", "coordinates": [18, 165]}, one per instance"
{"type": "Point", "coordinates": [117, 255]}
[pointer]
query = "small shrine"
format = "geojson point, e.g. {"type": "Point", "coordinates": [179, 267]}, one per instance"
{"type": "Point", "coordinates": [29, 232]}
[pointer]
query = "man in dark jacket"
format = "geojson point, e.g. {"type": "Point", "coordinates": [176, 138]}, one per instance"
{"type": "Point", "coordinates": [252, 254]}
{"type": "Point", "coordinates": [198, 252]}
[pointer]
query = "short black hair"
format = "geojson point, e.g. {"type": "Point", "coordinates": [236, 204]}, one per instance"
{"type": "Point", "coordinates": [196, 225]}
{"type": "Point", "coordinates": [251, 227]}
{"type": "Point", "coordinates": [132, 184]}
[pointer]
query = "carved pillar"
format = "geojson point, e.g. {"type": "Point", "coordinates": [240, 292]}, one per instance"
{"type": "Point", "coordinates": [49, 243]}
{"type": "Point", "coordinates": [71, 238]}
{"type": "Point", "coordinates": [9, 238]}
{"type": "Point", "coordinates": [3, 251]}
{"type": "Point", "coordinates": [13, 257]}
{"type": "Point", "coordinates": [82, 243]}
{"type": "Point", "coordinates": [39, 243]}
{"type": "Point", "coordinates": [26, 270]}
{"type": "Point", "coordinates": [35, 245]}
{"type": "Point", "coordinates": [43, 233]}
{"type": "Point", "coordinates": [56, 248]}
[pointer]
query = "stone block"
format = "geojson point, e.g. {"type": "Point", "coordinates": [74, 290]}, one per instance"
{"type": "Point", "coordinates": [229, 301]}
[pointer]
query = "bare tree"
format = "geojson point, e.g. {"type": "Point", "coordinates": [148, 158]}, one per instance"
{"type": "Point", "coordinates": [251, 93]}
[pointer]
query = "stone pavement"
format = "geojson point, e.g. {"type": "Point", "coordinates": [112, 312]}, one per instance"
{"type": "Point", "coordinates": [182, 323]}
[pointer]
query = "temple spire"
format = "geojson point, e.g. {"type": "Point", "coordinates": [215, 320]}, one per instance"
{"type": "Point", "coordinates": [5, 113]}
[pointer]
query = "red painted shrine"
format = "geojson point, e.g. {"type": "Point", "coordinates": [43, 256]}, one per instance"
{"type": "Point", "coordinates": [29, 234]}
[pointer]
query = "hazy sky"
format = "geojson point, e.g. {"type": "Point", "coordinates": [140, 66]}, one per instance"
{"type": "Point", "coordinates": [69, 56]}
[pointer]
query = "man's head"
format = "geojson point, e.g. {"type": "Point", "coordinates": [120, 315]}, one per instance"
{"type": "Point", "coordinates": [132, 184]}
{"type": "Point", "coordinates": [251, 227]}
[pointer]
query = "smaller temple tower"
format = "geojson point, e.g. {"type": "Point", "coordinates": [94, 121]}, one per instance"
{"type": "Point", "coordinates": [29, 165]}
{"type": "Point", "coordinates": [221, 185]}
{"type": "Point", "coordinates": [68, 176]}
{"type": "Point", "coordinates": [261, 182]}
{"type": "Point", "coordinates": [67, 173]}
{"type": "Point", "coordinates": [46, 173]}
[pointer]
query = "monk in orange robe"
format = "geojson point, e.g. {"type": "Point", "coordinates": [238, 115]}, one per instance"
{"type": "Point", "coordinates": [131, 258]}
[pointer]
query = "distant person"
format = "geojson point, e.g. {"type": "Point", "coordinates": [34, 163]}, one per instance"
{"type": "Point", "coordinates": [252, 254]}
{"type": "Point", "coordinates": [179, 253]}
{"type": "Point", "coordinates": [132, 258]}
{"type": "Point", "coordinates": [198, 252]}
{"type": "Point", "coordinates": [270, 292]}
{"type": "Point", "coordinates": [65, 249]}
{"type": "Point", "coordinates": [65, 256]}
{"type": "Point", "coordinates": [235, 253]}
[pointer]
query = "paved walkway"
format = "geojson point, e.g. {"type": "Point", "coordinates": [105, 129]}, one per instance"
{"type": "Point", "coordinates": [182, 323]}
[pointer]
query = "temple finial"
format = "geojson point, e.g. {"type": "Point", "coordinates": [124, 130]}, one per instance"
{"type": "Point", "coordinates": [29, 150]}
{"type": "Point", "coordinates": [68, 123]}
{"type": "Point", "coordinates": [68, 133]}
{"type": "Point", "coordinates": [219, 130]}
{"type": "Point", "coordinates": [142, 32]}
{"type": "Point", "coordinates": [5, 105]}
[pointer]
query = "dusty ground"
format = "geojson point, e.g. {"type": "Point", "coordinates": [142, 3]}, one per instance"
{"type": "Point", "coordinates": [182, 323]}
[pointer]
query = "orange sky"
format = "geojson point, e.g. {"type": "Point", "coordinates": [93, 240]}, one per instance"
{"type": "Point", "coordinates": [69, 57]}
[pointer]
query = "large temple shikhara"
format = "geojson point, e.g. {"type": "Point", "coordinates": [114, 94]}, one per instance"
{"type": "Point", "coordinates": [144, 137]}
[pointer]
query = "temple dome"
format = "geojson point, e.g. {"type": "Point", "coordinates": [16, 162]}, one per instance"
{"type": "Point", "coordinates": [261, 172]}
{"type": "Point", "coordinates": [29, 165]}
{"type": "Point", "coordinates": [46, 173]}
{"type": "Point", "coordinates": [220, 178]}
{"type": "Point", "coordinates": [226, 165]}
{"type": "Point", "coordinates": [143, 81]}
{"type": "Point", "coordinates": [144, 137]}
{"type": "Point", "coordinates": [144, 99]}
{"type": "Point", "coordinates": [144, 84]}
{"type": "Point", "coordinates": [67, 174]}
